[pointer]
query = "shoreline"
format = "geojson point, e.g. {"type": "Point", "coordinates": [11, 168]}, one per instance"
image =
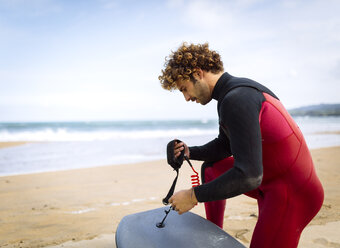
{"type": "Point", "coordinates": [83, 207]}
{"type": "Point", "coordinates": [9, 144]}
{"type": "Point", "coordinates": [74, 169]}
{"type": "Point", "coordinates": [5, 144]}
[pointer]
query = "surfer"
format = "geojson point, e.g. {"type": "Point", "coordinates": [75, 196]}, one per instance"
{"type": "Point", "coordinates": [259, 152]}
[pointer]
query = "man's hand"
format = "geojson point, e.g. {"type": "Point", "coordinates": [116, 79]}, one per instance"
{"type": "Point", "coordinates": [180, 146]}
{"type": "Point", "coordinates": [183, 200]}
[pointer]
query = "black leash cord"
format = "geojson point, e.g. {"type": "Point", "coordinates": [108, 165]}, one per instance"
{"type": "Point", "coordinates": [194, 181]}
{"type": "Point", "coordinates": [161, 224]}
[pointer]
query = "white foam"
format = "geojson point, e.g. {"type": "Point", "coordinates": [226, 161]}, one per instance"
{"type": "Point", "coordinates": [115, 204]}
{"type": "Point", "coordinates": [152, 198]}
{"type": "Point", "coordinates": [62, 134]}
{"type": "Point", "coordinates": [82, 211]}
{"type": "Point", "coordinates": [238, 217]}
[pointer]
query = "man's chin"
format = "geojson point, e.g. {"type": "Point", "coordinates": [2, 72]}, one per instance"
{"type": "Point", "coordinates": [204, 102]}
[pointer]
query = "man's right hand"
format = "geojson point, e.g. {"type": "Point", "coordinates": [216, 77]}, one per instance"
{"type": "Point", "coordinates": [180, 146]}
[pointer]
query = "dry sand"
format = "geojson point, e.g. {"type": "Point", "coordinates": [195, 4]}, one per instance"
{"type": "Point", "coordinates": [82, 208]}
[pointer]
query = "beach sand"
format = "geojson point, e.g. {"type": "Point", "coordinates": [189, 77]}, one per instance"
{"type": "Point", "coordinates": [83, 207]}
{"type": "Point", "coordinates": [12, 143]}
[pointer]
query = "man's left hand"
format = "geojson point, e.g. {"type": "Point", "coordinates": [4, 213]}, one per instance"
{"type": "Point", "coordinates": [183, 200]}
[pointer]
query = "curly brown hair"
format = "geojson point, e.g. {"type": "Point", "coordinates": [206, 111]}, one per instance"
{"type": "Point", "coordinates": [181, 64]}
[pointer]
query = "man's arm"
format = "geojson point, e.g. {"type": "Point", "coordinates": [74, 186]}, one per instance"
{"type": "Point", "coordinates": [214, 150]}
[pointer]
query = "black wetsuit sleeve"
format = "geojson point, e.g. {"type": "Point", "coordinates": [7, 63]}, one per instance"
{"type": "Point", "coordinates": [214, 150]}
{"type": "Point", "coordinates": [239, 113]}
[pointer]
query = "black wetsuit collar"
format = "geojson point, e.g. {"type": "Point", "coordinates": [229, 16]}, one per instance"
{"type": "Point", "coordinates": [228, 82]}
{"type": "Point", "coordinates": [221, 87]}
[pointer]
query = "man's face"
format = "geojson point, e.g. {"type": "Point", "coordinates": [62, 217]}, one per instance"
{"type": "Point", "coordinates": [198, 91]}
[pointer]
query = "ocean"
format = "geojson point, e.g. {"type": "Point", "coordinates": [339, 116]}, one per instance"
{"type": "Point", "coordinates": [70, 145]}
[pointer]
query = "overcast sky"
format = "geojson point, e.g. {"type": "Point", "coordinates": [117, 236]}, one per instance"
{"type": "Point", "coordinates": [100, 59]}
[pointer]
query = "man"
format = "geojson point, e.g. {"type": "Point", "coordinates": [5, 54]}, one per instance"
{"type": "Point", "coordinates": [259, 152]}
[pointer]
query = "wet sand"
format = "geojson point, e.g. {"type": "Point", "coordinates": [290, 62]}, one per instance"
{"type": "Point", "coordinates": [82, 208]}
{"type": "Point", "coordinates": [12, 143]}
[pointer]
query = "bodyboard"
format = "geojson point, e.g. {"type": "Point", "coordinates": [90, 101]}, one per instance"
{"type": "Point", "coordinates": [188, 230]}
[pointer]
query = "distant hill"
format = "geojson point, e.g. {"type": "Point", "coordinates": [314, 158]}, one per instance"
{"type": "Point", "coordinates": [317, 110]}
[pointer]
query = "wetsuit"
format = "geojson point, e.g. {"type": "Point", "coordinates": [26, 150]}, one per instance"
{"type": "Point", "coordinates": [260, 152]}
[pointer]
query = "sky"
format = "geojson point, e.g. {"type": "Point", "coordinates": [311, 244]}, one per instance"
{"type": "Point", "coordinates": [100, 60]}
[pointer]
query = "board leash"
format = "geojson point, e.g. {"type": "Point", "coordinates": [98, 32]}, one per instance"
{"type": "Point", "coordinates": [176, 163]}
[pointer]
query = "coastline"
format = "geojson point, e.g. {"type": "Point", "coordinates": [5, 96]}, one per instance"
{"type": "Point", "coordinates": [83, 207]}
{"type": "Point", "coordinates": [12, 143]}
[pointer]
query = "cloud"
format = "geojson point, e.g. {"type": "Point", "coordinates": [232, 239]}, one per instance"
{"type": "Point", "coordinates": [288, 45]}
{"type": "Point", "coordinates": [335, 70]}
{"type": "Point", "coordinates": [33, 8]}
{"type": "Point", "coordinates": [112, 53]}
{"type": "Point", "coordinates": [109, 4]}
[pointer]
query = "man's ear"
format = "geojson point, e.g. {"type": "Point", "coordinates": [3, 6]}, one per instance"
{"type": "Point", "coordinates": [198, 74]}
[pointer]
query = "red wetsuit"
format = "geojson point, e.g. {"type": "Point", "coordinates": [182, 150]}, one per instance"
{"type": "Point", "coordinates": [260, 152]}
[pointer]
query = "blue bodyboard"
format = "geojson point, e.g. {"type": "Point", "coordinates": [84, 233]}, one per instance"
{"type": "Point", "coordinates": [188, 230]}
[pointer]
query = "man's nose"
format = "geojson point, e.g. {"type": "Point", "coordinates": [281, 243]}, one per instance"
{"type": "Point", "coordinates": [186, 96]}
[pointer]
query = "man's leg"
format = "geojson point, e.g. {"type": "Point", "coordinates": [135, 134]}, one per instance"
{"type": "Point", "coordinates": [215, 209]}
{"type": "Point", "coordinates": [284, 212]}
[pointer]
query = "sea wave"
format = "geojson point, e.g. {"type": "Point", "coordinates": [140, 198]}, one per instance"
{"type": "Point", "coordinates": [63, 134]}
{"type": "Point", "coordinates": [79, 145]}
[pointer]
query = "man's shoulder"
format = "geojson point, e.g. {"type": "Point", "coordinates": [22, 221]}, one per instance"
{"type": "Point", "coordinates": [236, 82]}
{"type": "Point", "coordinates": [243, 86]}
{"type": "Point", "coordinates": [241, 97]}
